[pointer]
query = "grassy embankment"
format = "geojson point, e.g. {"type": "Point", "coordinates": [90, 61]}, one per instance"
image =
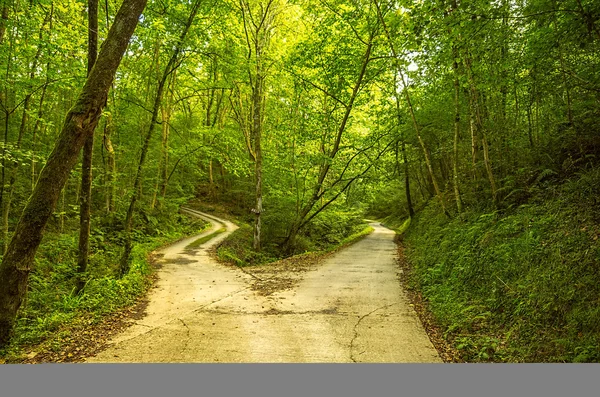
{"type": "Point", "coordinates": [331, 231]}
{"type": "Point", "coordinates": [517, 285]}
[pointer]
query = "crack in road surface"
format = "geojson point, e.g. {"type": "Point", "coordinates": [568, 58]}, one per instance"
{"type": "Point", "coordinates": [187, 340]}
{"type": "Point", "coordinates": [225, 320]}
{"type": "Point", "coordinates": [356, 328]}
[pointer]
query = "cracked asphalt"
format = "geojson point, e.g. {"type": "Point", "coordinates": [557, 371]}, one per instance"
{"type": "Point", "coordinates": [351, 308]}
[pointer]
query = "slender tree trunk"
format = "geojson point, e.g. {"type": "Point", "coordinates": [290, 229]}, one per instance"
{"type": "Point", "coordinates": [317, 191]}
{"type": "Point", "coordinates": [409, 203]}
{"type": "Point", "coordinates": [477, 128]}
{"type": "Point", "coordinates": [79, 123]}
{"type": "Point", "coordinates": [3, 19]}
{"type": "Point", "coordinates": [411, 210]}
{"type": "Point", "coordinates": [257, 103]}
{"type": "Point", "coordinates": [211, 180]}
{"type": "Point", "coordinates": [5, 99]}
{"type": "Point", "coordinates": [85, 199]}
{"type": "Point", "coordinates": [13, 170]}
{"type": "Point", "coordinates": [529, 127]}
{"type": "Point", "coordinates": [474, 141]}
{"type": "Point", "coordinates": [165, 139]}
{"type": "Point", "coordinates": [111, 168]}
{"type": "Point", "coordinates": [438, 191]}
{"type": "Point", "coordinates": [137, 184]}
{"type": "Point", "coordinates": [257, 39]}
{"type": "Point", "coordinates": [36, 127]}
{"type": "Point", "coordinates": [456, 182]}
{"type": "Point", "coordinates": [488, 167]}
{"type": "Point", "coordinates": [566, 86]}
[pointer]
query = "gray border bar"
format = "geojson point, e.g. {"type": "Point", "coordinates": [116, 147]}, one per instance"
{"type": "Point", "coordinates": [266, 380]}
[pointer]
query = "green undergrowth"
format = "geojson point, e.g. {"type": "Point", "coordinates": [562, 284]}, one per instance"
{"type": "Point", "coordinates": [52, 303]}
{"type": "Point", "coordinates": [197, 243]}
{"type": "Point", "coordinates": [400, 226]}
{"type": "Point", "coordinates": [522, 285]}
{"type": "Point", "coordinates": [333, 230]}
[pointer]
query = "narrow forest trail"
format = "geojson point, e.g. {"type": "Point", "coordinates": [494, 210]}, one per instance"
{"type": "Point", "coordinates": [351, 308]}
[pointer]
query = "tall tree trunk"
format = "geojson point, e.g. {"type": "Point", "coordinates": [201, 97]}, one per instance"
{"type": "Point", "coordinates": [36, 127]}
{"type": "Point", "coordinates": [85, 199]}
{"type": "Point", "coordinates": [529, 126]}
{"type": "Point", "coordinates": [111, 168]}
{"type": "Point", "coordinates": [477, 128]}
{"type": "Point", "coordinates": [428, 162]}
{"type": "Point", "coordinates": [257, 103]}
{"type": "Point", "coordinates": [3, 19]}
{"type": "Point", "coordinates": [80, 122]}
{"type": "Point", "coordinates": [566, 86]}
{"type": "Point", "coordinates": [4, 100]}
{"type": "Point", "coordinates": [411, 210]}
{"type": "Point", "coordinates": [409, 203]}
{"type": "Point", "coordinates": [164, 172]}
{"type": "Point", "coordinates": [488, 167]}
{"type": "Point", "coordinates": [137, 184]}
{"type": "Point", "coordinates": [456, 182]}
{"type": "Point", "coordinates": [257, 39]}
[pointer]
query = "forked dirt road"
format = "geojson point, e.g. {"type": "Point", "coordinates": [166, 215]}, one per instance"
{"type": "Point", "coordinates": [350, 308]}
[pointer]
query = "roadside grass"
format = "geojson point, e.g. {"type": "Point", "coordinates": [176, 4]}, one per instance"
{"type": "Point", "coordinates": [328, 235]}
{"type": "Point", "coordinates": [52, 306]}
{"type": "Point", "coordinates": [197, 243]}
{"type": "Point", "coordinates": [518, 285]}
{"type": "Point", "coordinates": [400, 226]}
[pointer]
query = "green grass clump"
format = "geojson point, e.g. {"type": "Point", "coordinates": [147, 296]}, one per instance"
{"type": "Point", "coordinates": [331, 230]}
{"type": "Point", "coordinates": [202, 240]}
{"type": "Point", "coordinates": [237, 249]}
{"type": "Point", "coordinates": [521, 285]}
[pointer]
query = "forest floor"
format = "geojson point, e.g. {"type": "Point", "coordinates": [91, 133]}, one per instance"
{"type": "Point", "coordinates": [347, 307]}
